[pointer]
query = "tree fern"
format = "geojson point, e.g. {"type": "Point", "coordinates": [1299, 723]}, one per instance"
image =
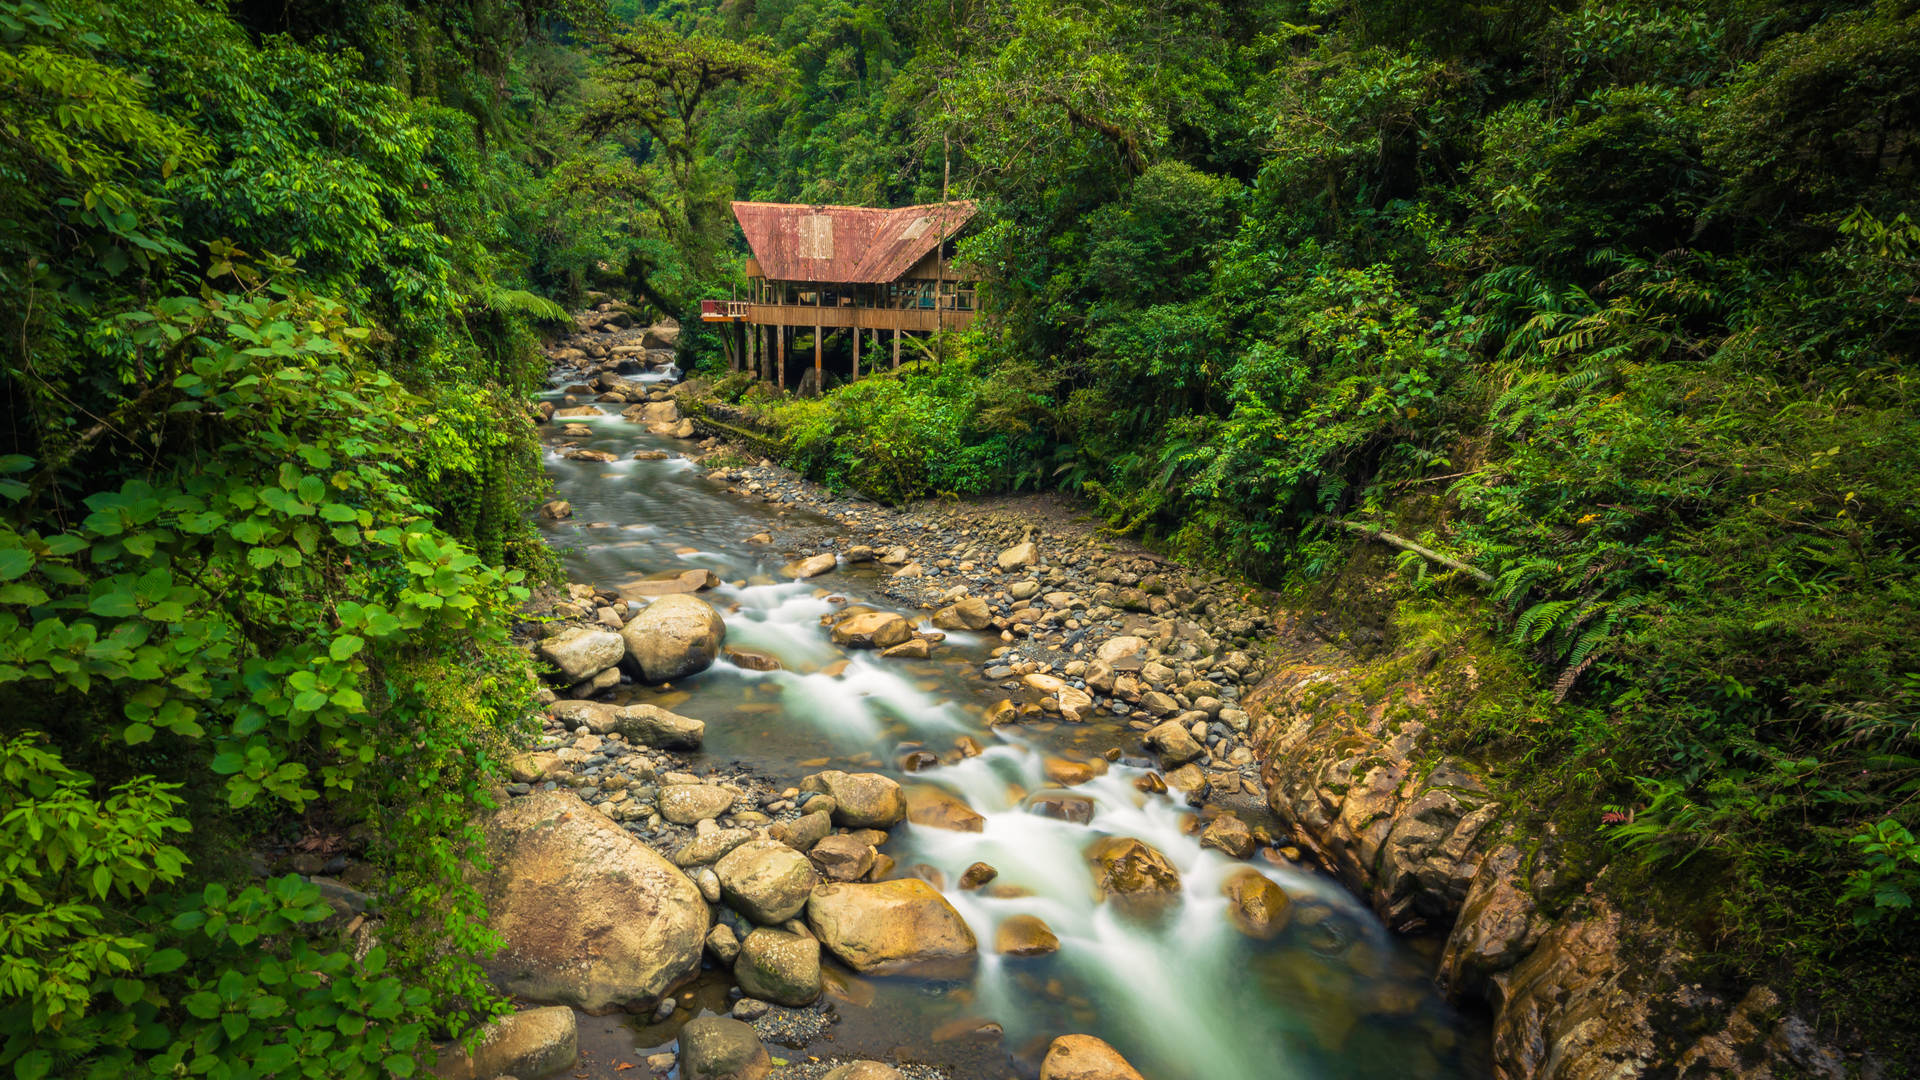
{"type": "Point", "coordinates": [519, 303]}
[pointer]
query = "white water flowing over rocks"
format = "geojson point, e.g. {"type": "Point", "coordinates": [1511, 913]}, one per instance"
{"type": "Point", "coordinates": [1184, 995]}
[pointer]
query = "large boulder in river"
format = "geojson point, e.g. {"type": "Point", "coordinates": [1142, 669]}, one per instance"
{"type": "Point", "coordinates": [872, 630]}
{"type": "Point", "coordinates": [766, 881]}
{"type": "Point", "coordinates": [861, 800]}
{"type": "Point", "coordinates": [937, 808]}
{"type": "Point", "coordinates": [1083, 1057]}
{"type": "Point", "coordinates": [1256, 906]}
{"type": "Point", "coordinates": [531, 1044]}
{"type": "Point", "coordinates": [674, 637]}
{"type": "Point", "coordinates": [590, 916]}
{"type": "Point", "coordinates": [721, 1048]}
{"type": "Point", "coordinates": [1133, 871]}
{"type": "Point", "coordinates": [581, 653]}
{"type": "Point", "coordinates": [903, 925]}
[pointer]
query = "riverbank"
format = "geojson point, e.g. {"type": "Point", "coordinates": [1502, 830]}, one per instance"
{"type": "Point", "coordinates": [1578, 982]}
{"type": "Point", "coordinates": [1030, 688]}
{"type": "Point", "coordinates": [1059, 716]}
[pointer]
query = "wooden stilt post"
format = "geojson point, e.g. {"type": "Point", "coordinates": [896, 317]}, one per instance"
{"type": "Point", "coordinates": [780, 364]}
{"type": "Point", "coordinates": [856, 354]}
{"type": "Point", "coordinates": [819, 380]}
{"type": "Point", "coordinates": [896, 350]}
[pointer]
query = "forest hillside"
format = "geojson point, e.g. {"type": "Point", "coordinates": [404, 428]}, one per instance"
{"type": "Point", "coordinates": [1615, 304]}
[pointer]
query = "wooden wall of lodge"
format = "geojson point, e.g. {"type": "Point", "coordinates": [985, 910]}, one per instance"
{"type": "Point", "coordinates": [863, 318]}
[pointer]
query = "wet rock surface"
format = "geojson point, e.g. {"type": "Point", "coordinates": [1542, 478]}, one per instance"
{"type": "Point", "coordinates": [590, 916]}
{"type": "Point", "coordinates": [1580, 989]}
{"type": "Point", "coordinates": [1079, 639]}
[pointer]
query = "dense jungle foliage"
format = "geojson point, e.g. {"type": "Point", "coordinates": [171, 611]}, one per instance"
{"type": "Point", "coordinates": [1617, 302]}
{"type": "Point", "coordinates": [264, 293]}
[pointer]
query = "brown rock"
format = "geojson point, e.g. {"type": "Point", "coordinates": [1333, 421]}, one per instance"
{"type": "Point", "coordinates": [1083, 1057]}
{"type": "Point", "coordinates": [872, 630]}
{"type": "Point", "coordinates": [968, 613]}
{"type": "Point", "coordinates": [674, 637]}
{"type": "Point", "coordinates": [752, 659]}
{"type": "Point", "coordinates": [913, 649]}
{"type": "Point", "coordinates": [531, 1044]}
{"type": "Point", "coordinates": [1024, 935]}
{"type": "Point", "coordinates": [1061, 806]}
{"type": "Point", "coordinates": [1229, 834]}
{"type": "Point", "coordinates": [590, 916]}
{"type": "Point", "coordinates": [977, 875]}
{"type": "Point", "coordinates": [861, 800]}
{"type": "Point", "coordinates": [935, 808]}
{"type": "Point", "coordinates": [670, 583]}
{"type": "Point", "coordinates": [1174, 744]}
{"type": "Point", "coordinates": [842, 857]}
{"type": "Point", "coordinates": [720, 1048]}
{"type": "Point", "coordinates": [766, 881]}
{"type": "Point", "coordinates": [1131, 869]}
{"type": "Point", "coordinates": [864, 1070]}
{"type": "Point", "coordinates": [811, 566]}
{"type": "Point", "coordinates": [903, 925]}
{"type": "Point", "coordinates": [1256, 906]}
{"type": "Point", "coordinates": [1070, 773]}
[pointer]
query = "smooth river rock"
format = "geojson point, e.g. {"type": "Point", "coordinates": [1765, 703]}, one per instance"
{"type": "Point", "coordinates": [900, 926]}
{"type": "Point", "coordinates": [590, 916]}
{"type": "Point", "coordinates": [718, 1048]}
{"type": "Point", "coordinates": [864, 1070]}
{"type": "Point", "coordinates": [1173, 742]}
{"type": "Point", "coordinates": [530, 1044]}
{"type": "Point", "coordinates": [1256, 906]}
{"type": "Point", "coordinates": [967, 613]}
{"type": "Point", "coordinates": [776, 966]}
{"type": "Point", "coordinates": [1083, 1057]}
{"type": "Point", "coordinates": [872, 630]}
{"type": "Point", "coordinates": [1024, 935]}
{"type": "Point", "coordinates": [861, 800]}
{"type": "Point", "coordinates": [580, 653]}
{"type": "Point", "coordinates": [936, 808]}
{"type": "Point", "coordinates": [674, 637]}
{"type": "Point", "coordinates": [811, 566]}
{"type": "Point", "coordinates": [766, 881]}
{"type": "Point", "coordinates": [651, 725]}
{"type": "Point", "coordinates": [685, 804]}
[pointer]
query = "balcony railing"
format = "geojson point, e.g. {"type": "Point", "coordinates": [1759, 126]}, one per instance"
{"type": "Point", "coordinates": [722, 310]}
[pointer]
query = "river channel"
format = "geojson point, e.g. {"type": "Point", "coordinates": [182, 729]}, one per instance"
{"type": "Point", "coordinates": [1185, 996]}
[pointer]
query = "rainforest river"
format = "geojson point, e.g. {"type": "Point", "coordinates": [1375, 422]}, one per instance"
{"type": "Point", "coordinates": [1184, 997]}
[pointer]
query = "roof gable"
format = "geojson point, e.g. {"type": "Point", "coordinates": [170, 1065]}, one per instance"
{"type": "Point", "coordinates": [853, 244]}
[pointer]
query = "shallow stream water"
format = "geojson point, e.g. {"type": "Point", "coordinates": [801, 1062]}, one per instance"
{"type": "Point", "coordinates": [1184, 996]}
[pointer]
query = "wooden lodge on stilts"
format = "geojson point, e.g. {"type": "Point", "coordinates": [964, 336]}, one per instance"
{"type": "Point", "coordinates": [856, 269]}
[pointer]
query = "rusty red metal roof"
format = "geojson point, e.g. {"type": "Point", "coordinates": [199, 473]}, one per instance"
{"type": "Point", "coordinates": [853, 244]}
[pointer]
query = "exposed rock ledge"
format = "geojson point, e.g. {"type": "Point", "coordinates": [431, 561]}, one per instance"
{"type": "Point", "coordinates": [1580, 990]}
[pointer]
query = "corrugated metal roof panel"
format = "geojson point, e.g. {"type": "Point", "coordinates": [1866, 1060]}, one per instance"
{"type": "Point", "coordinates": [853, 244]}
